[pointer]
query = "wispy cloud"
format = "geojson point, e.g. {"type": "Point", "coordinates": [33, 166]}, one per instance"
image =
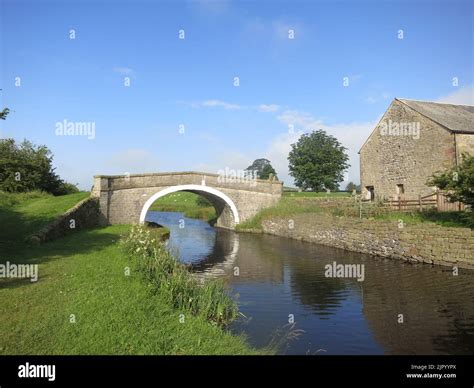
{"type": "Point", "coordinates": [299, 119]}
{"type": "Point", "coordinates": [215, 104]}
{"type": "Point", "coordinates": [351, 135]}
{"type": "Point", "coordinates": [268, 107]}
{"type": "Point", "coordinates": [463, 96]}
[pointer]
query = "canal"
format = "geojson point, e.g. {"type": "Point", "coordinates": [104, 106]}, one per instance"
{"type": "Point", "coordinates": [286, 299]}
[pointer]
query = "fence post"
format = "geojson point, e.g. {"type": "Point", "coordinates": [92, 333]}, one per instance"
{"type": "Point", "coordinates": [419, 201]}
{"type": "Point", "coordinates": [399, 203]}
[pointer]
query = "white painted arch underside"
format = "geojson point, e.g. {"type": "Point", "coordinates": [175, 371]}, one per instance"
{"type": "Point", "coordinates": [198, 188]}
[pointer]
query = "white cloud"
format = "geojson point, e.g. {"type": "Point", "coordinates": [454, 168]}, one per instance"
{"type": "Point", "coordinates": [463, 96]}
{"type": "Point", "coordinates": [231, 106]}
{"type": "Point", "coordinates": [277, 152]}
{"type": "Point", "coordinates": [268, 108]}
{"type": "Point", "coordinates": [216, 103]}
{"type": "Point", "coordinates": [299, 119]}
{"type": "Point", "coordinates": [351, 135]}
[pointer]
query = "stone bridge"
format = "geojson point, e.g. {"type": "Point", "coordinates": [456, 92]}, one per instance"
{"type": "Point", "coordinates": [125, 199]}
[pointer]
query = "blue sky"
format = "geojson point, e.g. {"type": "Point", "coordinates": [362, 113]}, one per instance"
{"type": "Point", "coordinates": [190, 82]}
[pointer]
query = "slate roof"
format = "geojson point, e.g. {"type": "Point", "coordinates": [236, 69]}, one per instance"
{"type": "Point", "coordinates": [456, 118]}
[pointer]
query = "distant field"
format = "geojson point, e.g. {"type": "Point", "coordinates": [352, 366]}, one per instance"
{"type": "Point", "coordinates": [187, 203]}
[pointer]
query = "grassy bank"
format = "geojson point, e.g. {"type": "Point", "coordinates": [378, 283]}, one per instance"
{"type": "Point", "coordinates": [190, 204]}
{"type": "Point", "coordinates": [174, 283]}
{"type": "Point", "coordinates": [312, 194]}
{"type": "Point", "coordinates": [295, 204]}
{"type": "Point", "coordinates": [448, 219]}
{"type": "Point", "coordinates": [89, 299]}
{"type": "Point", "coordinates": [287, 206]}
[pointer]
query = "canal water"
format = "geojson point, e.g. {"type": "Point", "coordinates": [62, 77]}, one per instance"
{"type": "Point", "coordinates": [281, 288]}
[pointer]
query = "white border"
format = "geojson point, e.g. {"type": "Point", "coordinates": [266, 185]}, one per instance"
{"type": "Point", "coordinates": [202, 188]}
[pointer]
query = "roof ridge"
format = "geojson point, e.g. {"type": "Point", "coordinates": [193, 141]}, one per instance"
{"type": "Point", "coordinates": [431, 102]}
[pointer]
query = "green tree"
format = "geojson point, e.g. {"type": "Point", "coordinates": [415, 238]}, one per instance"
{"type": "Point", "coordinates": [4, 113]}
{"type": "Point", "coordinates": [351, 186]}
{"type": "Point", "coordinates": [263, 168]}
{"type": "Point", "coordinates": [203, 202]}
{"type": "Point", "coordinates": [457, 182]}
{"type": "Point", "coordinates": [27, 167]}
{"type": "Point", "coordinates": [317, 161]}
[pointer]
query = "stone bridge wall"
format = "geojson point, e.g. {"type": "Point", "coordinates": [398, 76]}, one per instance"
{"type": "Point", "coordinates": [122, 197]}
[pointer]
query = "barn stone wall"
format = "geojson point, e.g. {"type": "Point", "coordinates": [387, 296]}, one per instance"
{"type": "Point", "coordinates": [465, 144]}
{"type": "Point", "coordinates": [388, 159]}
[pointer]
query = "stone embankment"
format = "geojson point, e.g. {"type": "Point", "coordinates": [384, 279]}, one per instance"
{"type": "Point", "coordinates": [82, 216]}
{"type": "Point", "coordinates": [423, 242]}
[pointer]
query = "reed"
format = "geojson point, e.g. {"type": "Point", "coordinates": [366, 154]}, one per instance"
{"type": "Point", "coordinates": [173, 281]}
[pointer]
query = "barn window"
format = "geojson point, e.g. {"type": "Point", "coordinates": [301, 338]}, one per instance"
{"type": "Point", "coordinates": [400, 189]}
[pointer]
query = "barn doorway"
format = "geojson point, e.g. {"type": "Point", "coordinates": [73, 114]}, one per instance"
{"type": "Point", "coordinates": [370, 193]}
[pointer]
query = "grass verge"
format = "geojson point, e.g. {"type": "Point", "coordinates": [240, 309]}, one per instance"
{"type": "Point", "coordinates": [291, 205]}
{"type": "Point", "coordinates": [88, 299]}
{"type": "Point", "coordinates": [174, 283]}
{"type": "Point", "coordinates": [312, 194]}
{"type": "Point", "coordinates": [448, 219]}
{"type": "Point", "coordinates": [287, 206]}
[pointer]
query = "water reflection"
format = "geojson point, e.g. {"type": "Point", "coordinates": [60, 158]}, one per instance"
{"type": "Point", "coordinates": [281, 278]}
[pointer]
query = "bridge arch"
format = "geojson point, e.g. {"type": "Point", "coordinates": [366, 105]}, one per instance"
{"type": "Point", "coordinates": [209, 192]}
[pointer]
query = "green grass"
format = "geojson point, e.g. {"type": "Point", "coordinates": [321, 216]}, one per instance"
{"type": "Point", "coordinates": [448, 219]}
{"type": "Point", "coordinates": [290, 205]}
{"type": "Point", "coordinates": [186, 203]}
{"type": "Point", "coordinates": [312, 194]}
{"type": "Point", "coordinates": [24, 213]}
{"type": "Point", "coordinates": [287, 206]}
{"type": "Point", "coordinates": [174, 283]}
{"type": "Point", "coordinates": [160, 234]}
{"type": "Point", "coordinates": [84, 276]}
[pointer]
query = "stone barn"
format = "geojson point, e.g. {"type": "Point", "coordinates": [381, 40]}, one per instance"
{"type": "Point", "coordinates": [413, 140]}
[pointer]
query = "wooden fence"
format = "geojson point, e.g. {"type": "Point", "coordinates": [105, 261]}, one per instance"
{"type": "Point", "coordinates": [437, 201]}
